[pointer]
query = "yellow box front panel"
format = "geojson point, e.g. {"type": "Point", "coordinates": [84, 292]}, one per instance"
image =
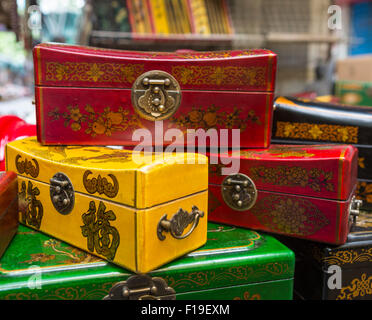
{"type": "Point", "coordinates": [101, 217]}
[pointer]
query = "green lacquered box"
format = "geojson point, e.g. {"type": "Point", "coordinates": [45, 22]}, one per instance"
{"type": "Point", "coordinates": [234, 264]}
{"type": "Point", "coordinates": [354, 92]}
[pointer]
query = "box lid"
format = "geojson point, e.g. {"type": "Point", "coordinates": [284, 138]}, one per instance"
{"type": "Point", "coordinates": [113, 174]}
{"type": "Point", "coordinates": [232, 256]}
{"type": "Point", "coordinates": [307, 120]}
{"type": "Point", "coordinates": [77, 66]}
{"type": "Point", "coordinates": [324, 171]}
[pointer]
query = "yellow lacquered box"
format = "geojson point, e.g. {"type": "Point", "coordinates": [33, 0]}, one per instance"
{"type": "Point", "coordinates": [138, 211]}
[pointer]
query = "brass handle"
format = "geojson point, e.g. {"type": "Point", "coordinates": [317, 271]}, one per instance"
{"type": "Point", "coordinates": [179, 222]}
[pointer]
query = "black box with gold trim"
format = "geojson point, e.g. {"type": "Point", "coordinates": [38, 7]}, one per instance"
{"type": "Point", "coordinates": [335, 272]}
{"type": "Point", "coordinates": [306, 121]}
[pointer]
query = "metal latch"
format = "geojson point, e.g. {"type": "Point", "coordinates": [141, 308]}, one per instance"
{"type": "Point", "coordinates": [156, 95]}
{"type": "Point", "coordinates": [239, 192]}
{"type": "Point", "coordinates": [141, 287]}
{"type": "Point", "coordinates": [62, 193]}
{"type": "Point", "coordinates": [354, 208]}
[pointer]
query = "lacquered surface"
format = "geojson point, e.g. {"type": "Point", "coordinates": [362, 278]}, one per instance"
{"type": "Point", "coordinates": [8, 209]}
{"type": "Point", "coordinates": [123, 235]}
{"type": "Point", "coordinates": [117, 203]}
{"type": "Point", "coordinates": [336, 123]}
{"type": "Point", "coordinates": [309, 218]}
{"type": "Point", "coordinates": [107, 117]}
{"type": "Point", "coordinates": [327, 122]}
{"type": "Point", "coordinates": [354, 258]}
{"type": "Point", "coordinates": [245, 70]}
{"type": "Point", "coordinates": [83, 95]}
{"type": "Point", "coordinates": [139, 184]}
{"type": "Point", "coordinates": [240, 262]}
{"type": "Point", "coordinates": [303, 191]}
{"type": "Point", "coordinates": [323, 171]}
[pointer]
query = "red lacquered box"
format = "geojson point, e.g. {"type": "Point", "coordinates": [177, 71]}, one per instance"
{"type": "Point", "coordinates": [299, 191]}
{"type": "Point", "coordinates": [8, 208]}
{"type": "Point", "coordinates": [94, 96]}
{"type": "Point", "coordinates": [12, 128]}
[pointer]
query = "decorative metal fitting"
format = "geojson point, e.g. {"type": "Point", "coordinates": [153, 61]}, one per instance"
{"type": "Point", "coordinates": [141, 287]}
{"type": "Point", "coordinates": [62, 193]}
{"type": "Point", "coordinates": [239, 192]}
{"type": "Point", "coordinates": [156, 95]}
{"type": "Point", "coordinates": [179, 223]}
{"type": "Point", "coordinates": [354, 208]}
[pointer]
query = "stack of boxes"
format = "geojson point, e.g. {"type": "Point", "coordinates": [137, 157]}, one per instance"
{"type": "Point", "coordinates": [141, 216]}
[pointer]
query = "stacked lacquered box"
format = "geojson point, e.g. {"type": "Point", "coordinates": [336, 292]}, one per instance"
{"type": "Point", "coordinates": [141, 210]}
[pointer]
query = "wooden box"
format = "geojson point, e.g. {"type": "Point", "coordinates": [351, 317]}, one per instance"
{"type": "Point", "coordinates": [342, 272]}
{"type": "Point", "coordinates": [300, 191]}
{"type": "Point", "coordinates": [307, 122]}
{"type": "Point", "coordinates": [91, 96]}
{"type": "Point", "coordinates": [138, 215]}
{"type": "Point", "coordinates": [235, 264]}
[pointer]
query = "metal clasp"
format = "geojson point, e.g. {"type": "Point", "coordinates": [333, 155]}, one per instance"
{"type": "Point", "coordinates": [354, 208]}
{"type": "Point", "coordinates": [141, 287]}
{"type": "Point", "coordinates": [156, 95]}
{"type": "Point", "coordinates": [62, 193]}
{"type": "Point", "coordinates": [239, 192]}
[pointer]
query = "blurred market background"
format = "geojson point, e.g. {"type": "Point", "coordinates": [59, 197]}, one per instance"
{"type": "Point", "coordinates": [322, 46]}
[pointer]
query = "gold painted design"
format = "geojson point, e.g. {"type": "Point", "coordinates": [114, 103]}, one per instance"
{"type": "Point", "coordinates": [101, 236]}
{"type": "Point", "coordinates": [94, 292]}
{"type": "Point", "coordinates": [26, 166]}
{"type": "Point", "coordinates": [320, 132]}
{"type": "Point", "coordinates": [30, 208]}
{"type": "Point", "coordinates": [248, 296]}
{"type": "Point", "coordinates": [104, 123]}
{"type": "Point", "coordinates": [290, 216]}
{"type": "Point", "coordinates": [364, 191]}
{"type": "Point", "coordinates": [316, 179]}
{"type": "Point", "coordinates": [92, 72]}
{"type": "Point", "coordinates": [72, 254]}
{"type": "Point", "coordinates": [213, 118]}
{"type": "Point", "coordinates": [101, 185]}
{"type": "Point", "coordinates": [96, 156]}
{"type": "Point", "coordinates": [350, 256]}
{"type": "Point", "coordinates": [213, 54]}
{"type": "Point", "coordinates": [215, 169]}
{"type": "Point", "coordinates": [229, 75]}
{"type": "Point", "coordinates": [200, 279]}
{"type": "Point", "coordinates": [361, 163]}
{"type": "Point", "coordinates": [277, 152]}
{"type": "Point", "coordinates": [357, 288]}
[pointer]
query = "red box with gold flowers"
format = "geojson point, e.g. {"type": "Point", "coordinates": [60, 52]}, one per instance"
{"type": "Point", "coordinates": [94, 96]}
{"type": "Point", "coordinates": [300, 191]}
